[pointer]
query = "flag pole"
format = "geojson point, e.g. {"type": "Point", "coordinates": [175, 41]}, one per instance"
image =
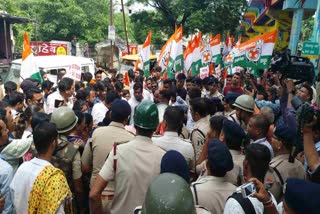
{"type": "Point", "coordinates": [125, 26]}
{"type": "Point", "coordinates": [111, 24]}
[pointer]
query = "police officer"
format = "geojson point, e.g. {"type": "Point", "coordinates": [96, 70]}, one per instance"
{"type": "Point", "coordinates": [235, 138]}
{"type": "Point", "coordinates": [244, 105]}
{"type": "Point", "coordinates": [67, 156]}
{"type": "Point", "coordinates": [169, 193]}
{"type": "Point", "coordinates": [131, 165]}
{"type": "Point", "coordinates": [213, 190]}
{"type": "Point", "coordinates": [103, 139]}
{"type": "Point", "coordinates": [199, 113]}
{"type": "Point", "coordinates": [280, 168]}
{"type": "Point", "coordinates": [301, 196]}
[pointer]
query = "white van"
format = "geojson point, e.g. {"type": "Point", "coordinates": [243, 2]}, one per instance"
{"type": "Point", "coordinates": [51, 65]}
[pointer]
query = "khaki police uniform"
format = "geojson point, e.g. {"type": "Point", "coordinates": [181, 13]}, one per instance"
{"type": "Point", "coordinates": [235, 176]}
{"type": "Point", "coordinates": [63, 152]}
{"type": "Point", "coordinates": [97, 151]}
{"type": "Point", "coordinates": [199, 133]}
{"type": "Point", "coordinates": [184, 133]}
{"type": "Point", "coordinates": [138, 163]}
{"type": "Point", "coordinates": [280, 170]}
{"type": "Point", "coordinates": [212, 193]}
{"type": "Point", "coordinates": [233, 117]}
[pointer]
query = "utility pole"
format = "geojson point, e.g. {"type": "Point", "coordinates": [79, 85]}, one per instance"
{"type": "Point", "coordinates": [111, 24]}
{"type": "Point", "coordinates": [125, 26]}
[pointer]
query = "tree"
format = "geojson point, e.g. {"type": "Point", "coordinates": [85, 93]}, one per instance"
{"type": "Point", "coordinates": [145, 21]}
{"type": "Point", "coordinates": [217, 16]}
{"type": "Point", "coordinates": [63, 19]}
{"type": "Point", "coordinates": [118, 23]}
{"type": "Point", "coordinates": [307, 29]}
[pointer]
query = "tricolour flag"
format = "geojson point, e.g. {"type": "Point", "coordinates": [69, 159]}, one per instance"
{"type": "Point", "coordinates": [196, 55]}
{"type": "Point", "coordinates": [227, 46]}
{"type": "Point", "coordinates": [29, 68]}
{"type": "Point", "coordinates": [256, 53]}
{"type": "Point", "coordinates": [215, 49]}
{"type": "Point", "coordinates": [143, 61]}
{"type": "Point", "coordinates": [164, 56]}
{"type": "Point", "coordinates": [176, 54]}
{"type": "Point", "coordinates": [187, 56]}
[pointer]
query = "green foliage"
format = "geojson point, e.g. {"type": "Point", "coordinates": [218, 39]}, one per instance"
{"type": "Point", "coordinates": [307, 29]}
{"type": "Point", "coordinates": [63, 19]}
{"type": "Point", "coordinates": [118, 23]}
{"type": "Point", "coordinates": [145, 21]}
{"type": "Point", "coordinates": [216, 16]}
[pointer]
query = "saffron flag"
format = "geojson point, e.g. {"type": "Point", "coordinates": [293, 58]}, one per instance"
{"type": "Point", "coordinates": [29, 68]}
{"type": "Point", "coordinates": [143, 61]}
{"type": "Point", "coordinates": [256, 53]}
{"type": "Point", "coordinates": [176, 54]}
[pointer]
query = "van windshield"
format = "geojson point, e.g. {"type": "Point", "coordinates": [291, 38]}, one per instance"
{"type": "Point", "coordinates": [13, 74]}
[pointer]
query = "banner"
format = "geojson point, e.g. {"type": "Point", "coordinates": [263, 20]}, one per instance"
{"type": "Point", "coordinates": [204, 72]}
{"type": "Point", "coordinates": [74, 72]}
{"type": "Point", "coordinates": [48, 48]}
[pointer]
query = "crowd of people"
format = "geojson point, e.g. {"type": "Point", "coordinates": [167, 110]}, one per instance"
{"type": "Point", "coordinates": [126, 143]}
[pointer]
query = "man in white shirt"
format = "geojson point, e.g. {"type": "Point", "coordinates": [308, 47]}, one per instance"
{"type": "Point", "coordinates": [31, 175]}
{"type": "Point", "coordinates": [16, 103]}
{"type": "Point", "coordinates": [258, 127]}
{"type": "Point", "coordinates": [172, 122]}
{"type": "Point", "coordinates": [136, 98]}
{"type": "Point", "coordinates": [100, 109]}
{"type": "Point", "coordinates": [62, 97]}
{"type": "Point", "coordinates": [255, 165]}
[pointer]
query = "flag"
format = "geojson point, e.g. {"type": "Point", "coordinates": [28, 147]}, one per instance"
{"type": "Point", "coordinates": [143, 61]}
{"type": "Point", "coordinates": [164, 55]}
{"type": "Point", "coordinates": [196, 55]}
{"type": "Point", "coordinates": [238, 42]}
{"type": "Point", "coordinates": [256, 53]}
{"type": "Point", "coordinates": [215, 49]}
{"type": "Point", "coordinates": [126, 79]}
{"type": "Point", "coordinates": [29, 68]}
{"type": "Point", "coordinates": [226, 47]}
{"type": "Point", "coordinates": [205, 54]}
{"type": "Point", "coordinates": [187, 56]}
{"type": "Point", "coordinates": [176, 54]}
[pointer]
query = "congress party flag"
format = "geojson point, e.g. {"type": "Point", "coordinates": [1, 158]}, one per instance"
{"type": "Point", "coordinates": [176, 54]}
{"type": "Point", "coordinates": [29, 68]}
{"type": "Point", "coordinates": [196, 55]}
{"type": "Point", "coordinates": [187, 56]}
{"type": "Point", "coordinates": [256, 53]}
{"type": "Point", "coordinates": [215, 49]}
{"type": "Point", "coordinates": [164, 56]}
{"type": "Point", "coordinates": [143, 61]}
